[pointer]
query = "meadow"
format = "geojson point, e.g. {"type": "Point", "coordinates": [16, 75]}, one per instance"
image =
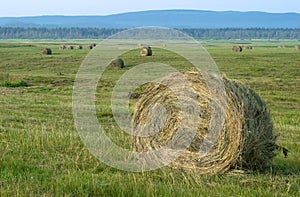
{"type": "Point", "coordinates": [41, 153]}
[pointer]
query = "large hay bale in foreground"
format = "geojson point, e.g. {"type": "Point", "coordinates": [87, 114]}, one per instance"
{"type": "Point", "coordinates": [46, 51]}
{"type": "Point", "coordinates": [246, 140]}
{"type": "Point", "coordinates": [237, 48]}
{"type": "Point", "coordinates": [146, 51]}
{"type": "Point", "coordinates": [117, 63]}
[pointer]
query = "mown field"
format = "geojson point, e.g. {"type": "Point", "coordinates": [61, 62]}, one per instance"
{"type": "Point", "coordinates": [41, 153]}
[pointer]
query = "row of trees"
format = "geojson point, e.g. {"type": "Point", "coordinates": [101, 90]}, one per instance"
{"type": "Point", "coordinates": [251, 33]}
{"type": "Point", "coordinates": [100, 33]}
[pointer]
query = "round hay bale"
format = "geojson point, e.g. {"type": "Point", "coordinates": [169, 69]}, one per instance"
{"type": "Point", "coordinates": [281, 47]}
{"type": "Point", "coordinates": [146, 51]}
{"type": "Point", "coordinates": [249, 47]}
{"type": "Point", "coordinates": [46, 51]}
{"type": "Point", "coordinates": [237, 48]}
{"type": "Point", "coordinates": [94, 44]}
{"type": "Point", "coordinates": [117, 63]}
{"type": "Point", "coordinates": [297, 47]}
{"type": "Point", "coordinates": [70, 47]}
{"type": "Point", "coordinates": [62, 47]}
{"type": "Point", "coordinates": [90, 46]}
{"type": "Point", "coordinates": [246, 141]}
{"type": "Point", "coordinates": [79, 47]}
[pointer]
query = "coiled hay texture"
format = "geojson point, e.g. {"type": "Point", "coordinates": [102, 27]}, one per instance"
{"type": "Point", "coordinates": [146, 51]}
{"type": "Point", "coordinates": [246, 140]}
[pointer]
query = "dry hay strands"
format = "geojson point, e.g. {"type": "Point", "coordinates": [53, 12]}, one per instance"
{"type": "Point", "coordinates": [70, 47]}
{"type": "Point", "coordinates": [249, 47]}
{"type": "Point", "coordinates": [246, 140]}
{"type": "Point", "coordinates": [237, 48]}
{"type": "Point", "coordinates": [62, 47]}
{"type": "Point", "coordinates": [297, 47]}
{"type": "Point", "coordinates": [79, 46]}
{"type": "Point", "coordinates": [146, 51]}
{"type": "Point", "coordinates": [117, 63]}
{"type": "Point", "coordinates": [46, 51]}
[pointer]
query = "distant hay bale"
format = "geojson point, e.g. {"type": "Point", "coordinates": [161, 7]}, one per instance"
{"type": "Point", "coordinates": [237, 48]}
{"type": "Point", "coordinates": [297, 47]}
{"type": "Point", "coordinates": [70, 47]}
{"type": "Point", "coordinates": [281, 47]}
{"type": "Point", "coordinates": [249, 47]}
{"type": "Point", "coordinates": [62, 47]}
{"type": "Point", "coordinates": [246, 141]}
{"type": "Point", "coordinates": [117, 63]}
{"type": "Point", "coordinates": [79, 47]}
{"type": "Point", "coordinates": [146, 51]}
{"type": "Point", "coordinates": [90, 46]}
{"type": "Point", "coordinates": [46, 51]}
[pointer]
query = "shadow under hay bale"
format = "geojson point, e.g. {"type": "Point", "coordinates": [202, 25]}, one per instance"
{"type": "Point", "coordinates": [237, 48]}
{"type": "Point", "coordinates": [146, 51]}
{"type": "Point", "coordinates": [117, 63]}
{"type": "Point", "coordinates": [46, 51]}
{"type": "Point", "coordinates": [246, 141]}
{"type": "Point", "coordinates": [79, 47]}
{"type": "Point", "coordinates": [90, 46]}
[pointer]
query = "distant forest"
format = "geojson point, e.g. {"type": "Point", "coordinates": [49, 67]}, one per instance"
{"type": "Point", "coordinates": [100, 33]}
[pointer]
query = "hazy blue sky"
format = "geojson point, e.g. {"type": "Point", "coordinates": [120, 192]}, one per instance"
{"type": "Point", "coordinates": [104, 7]}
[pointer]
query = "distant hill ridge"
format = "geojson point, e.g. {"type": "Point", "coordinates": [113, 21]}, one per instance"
{"type": "Point", "coordinates": [165, 18]}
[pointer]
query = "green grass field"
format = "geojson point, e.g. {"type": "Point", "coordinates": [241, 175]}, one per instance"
{"type": "Point", "coordinates": [41, 153]}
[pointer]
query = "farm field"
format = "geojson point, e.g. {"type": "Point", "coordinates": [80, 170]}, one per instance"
{"type": "Point", "coordinates": [41, 153]}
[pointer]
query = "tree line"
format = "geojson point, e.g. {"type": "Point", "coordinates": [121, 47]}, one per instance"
{"type": "Point", "coordinates": [100, 33]}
